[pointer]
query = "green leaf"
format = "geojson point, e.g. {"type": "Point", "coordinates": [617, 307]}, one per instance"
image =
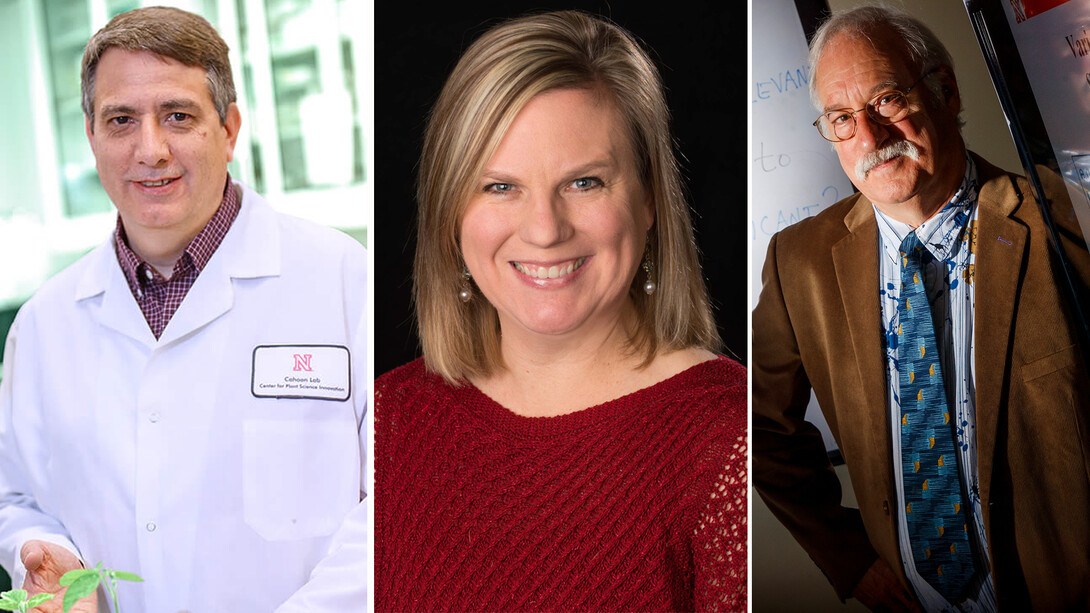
{"type": "Point", "coordinates": [16, 595]}
{"type": "Point", "coordinates": [125, 576]}
{"type": "Point", "coordinates": [39, 599]}
{"type": "Point", "coordinates": [82, 586]}
{"type": "Point", "coordinates": [71, 576]}
{"type": "Point", "coordinates": [10, 605]}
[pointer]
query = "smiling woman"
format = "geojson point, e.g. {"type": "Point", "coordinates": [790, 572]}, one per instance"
{"type": "Point", "coordinates": [555, 230]}
{"type": "Point", "coordinates": [569, 439]}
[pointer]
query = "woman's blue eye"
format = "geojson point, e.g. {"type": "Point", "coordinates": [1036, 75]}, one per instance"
{"type": "Point", "coordinates": [586, 182]}
{"type": "Point", "coordinates": [499, 187]}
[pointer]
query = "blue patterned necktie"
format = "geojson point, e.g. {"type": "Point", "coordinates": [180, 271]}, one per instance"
{"type": "Point", "coordinates": [934, 504]}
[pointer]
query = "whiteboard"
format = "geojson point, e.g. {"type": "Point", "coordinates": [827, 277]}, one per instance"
{"type": "Point", "coordinates": [794, 173]}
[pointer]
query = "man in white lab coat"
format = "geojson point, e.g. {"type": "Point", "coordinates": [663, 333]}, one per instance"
{"type": "Point", "coordinates": [186, 401]}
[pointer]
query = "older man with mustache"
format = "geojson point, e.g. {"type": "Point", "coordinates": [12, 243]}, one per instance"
{"type": "Point", "coordinates": [928, 317]}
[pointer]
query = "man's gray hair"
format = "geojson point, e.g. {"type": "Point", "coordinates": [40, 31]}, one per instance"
{"type": "Point", "coordinates": [922, 49]}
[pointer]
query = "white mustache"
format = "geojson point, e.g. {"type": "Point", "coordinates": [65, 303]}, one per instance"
{"type": "Point", "coordinates": [883, 155]}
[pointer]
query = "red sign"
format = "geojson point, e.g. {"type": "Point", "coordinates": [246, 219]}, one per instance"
{"type": "Point", "coordinates": [1024, 9]}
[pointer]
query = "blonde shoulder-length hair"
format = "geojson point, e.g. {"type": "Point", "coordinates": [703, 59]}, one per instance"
{"type": "Point", "coordinates": [495, 78]}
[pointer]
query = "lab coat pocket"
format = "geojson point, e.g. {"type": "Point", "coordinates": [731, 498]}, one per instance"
{"type": "Point", "coordinates": [300, 477]}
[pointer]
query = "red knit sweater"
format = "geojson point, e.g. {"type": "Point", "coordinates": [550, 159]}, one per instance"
{"type": "Point", "coordinates": [638, 504]}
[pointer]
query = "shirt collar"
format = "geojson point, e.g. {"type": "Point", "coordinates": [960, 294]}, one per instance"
{"type": "Point", "coordinates": [197, 253]}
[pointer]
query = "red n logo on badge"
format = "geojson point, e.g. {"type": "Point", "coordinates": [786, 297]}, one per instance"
{"type": "Point", "coordinates": [302, 362]}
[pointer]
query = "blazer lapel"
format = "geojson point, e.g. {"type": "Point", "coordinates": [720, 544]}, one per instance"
{"type": "Point", "coordinates": [1001, 253]}
{"type": "Point", "coordinates": [855, 258]}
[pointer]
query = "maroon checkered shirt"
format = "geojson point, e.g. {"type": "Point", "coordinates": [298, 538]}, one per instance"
{"type": "Point", "coordinates": [159, 297]}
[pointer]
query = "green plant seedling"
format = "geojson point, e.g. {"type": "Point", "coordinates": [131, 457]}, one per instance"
{"type": "Point", "coordinates": [84, 581]}
{"type": "Point", "coordinates": [16, 600]}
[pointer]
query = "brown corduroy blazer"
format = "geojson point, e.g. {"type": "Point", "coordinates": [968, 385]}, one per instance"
{"type": "Point", "coordinates": [818, 324]}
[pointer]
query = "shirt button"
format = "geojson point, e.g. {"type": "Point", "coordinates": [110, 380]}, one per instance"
{"type": "Point", "coordinates": [151, 526]}
{"type": "Point", "coordinates": [147, 273]}
{"type": "Point", "coordinates": [153, 418]}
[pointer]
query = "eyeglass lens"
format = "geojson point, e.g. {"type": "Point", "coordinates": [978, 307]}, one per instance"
{"type": "Point", "coordinates": [885, 108]}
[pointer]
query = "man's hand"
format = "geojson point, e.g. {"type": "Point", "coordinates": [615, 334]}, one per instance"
{"type": "Point", "coordinates": [881, 590]}
{"type": "Point", "coordinates": [45, 564]}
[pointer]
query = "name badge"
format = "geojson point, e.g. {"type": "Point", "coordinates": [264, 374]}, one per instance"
{"type": "Point", "coordinates": [321, 372]}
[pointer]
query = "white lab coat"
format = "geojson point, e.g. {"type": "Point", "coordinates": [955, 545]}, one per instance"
{"type": "Point", "coordinates": [156, 458]}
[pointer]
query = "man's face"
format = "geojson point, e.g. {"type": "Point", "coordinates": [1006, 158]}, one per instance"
{"type": "Point", "coordinates": [159, 146]}
{"type": "Point", "coordinates": [850, 73]}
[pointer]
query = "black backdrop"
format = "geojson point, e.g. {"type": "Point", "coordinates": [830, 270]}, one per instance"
{"type": "Point", "coordinates": [700, 51]}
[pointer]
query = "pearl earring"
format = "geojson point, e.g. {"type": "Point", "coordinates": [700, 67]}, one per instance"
{"type": "Point", "coordinates": [648, 285]}
{"type": "Point", "coordinates": [465, 294]}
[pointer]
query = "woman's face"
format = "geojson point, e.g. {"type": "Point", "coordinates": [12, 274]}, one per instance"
{"type": "Point", "coordinates": [554, 231]}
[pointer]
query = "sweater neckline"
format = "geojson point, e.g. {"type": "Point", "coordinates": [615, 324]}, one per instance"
{"type": "Point", "coordinates": [505, 419]}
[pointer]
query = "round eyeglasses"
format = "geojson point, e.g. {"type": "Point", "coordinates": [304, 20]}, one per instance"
{"type": "Point", "coordinates": [886, 108]}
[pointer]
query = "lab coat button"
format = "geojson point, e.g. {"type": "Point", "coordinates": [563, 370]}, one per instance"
{"type": "Point", "coordinates": [154, 418]}
{"type": "Point", "coordinates": [151, 526]}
